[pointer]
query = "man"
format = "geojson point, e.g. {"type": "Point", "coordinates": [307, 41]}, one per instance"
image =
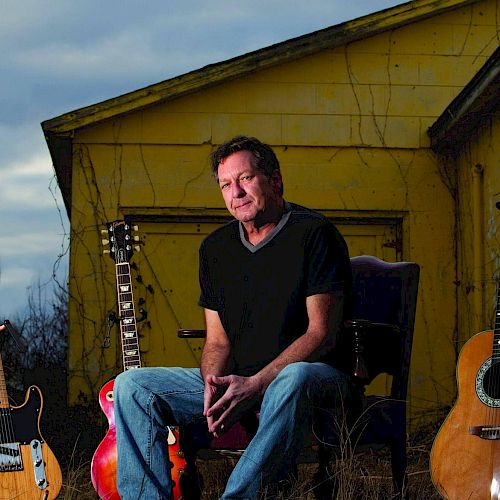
{"type": "Point", "coordinates": [274, 287]}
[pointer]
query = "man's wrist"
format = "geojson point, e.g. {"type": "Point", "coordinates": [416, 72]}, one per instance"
{"type": "Point", "coordinates": [259, 382]}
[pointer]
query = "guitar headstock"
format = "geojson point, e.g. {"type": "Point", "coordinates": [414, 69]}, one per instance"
{"type": "Point", "coordinates": [121, 240]}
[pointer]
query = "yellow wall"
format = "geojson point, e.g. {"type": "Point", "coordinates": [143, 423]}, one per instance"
{"type": "Point", "coordinates": [349, 127]}
{"type": "Point", "coordinates": [479, 219]}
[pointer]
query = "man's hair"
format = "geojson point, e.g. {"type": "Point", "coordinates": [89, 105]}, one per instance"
{"type": "Point", "coordinates": [264, 158]}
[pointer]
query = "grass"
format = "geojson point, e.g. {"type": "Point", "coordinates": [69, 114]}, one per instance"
{"type": "Point", "coordinates": [364, 476]}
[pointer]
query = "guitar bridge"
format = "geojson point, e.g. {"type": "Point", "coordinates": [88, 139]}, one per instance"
{"type": "Point", "coordinates": [38, 464]}
{"type": "Point", "coordinates": [490, 432]}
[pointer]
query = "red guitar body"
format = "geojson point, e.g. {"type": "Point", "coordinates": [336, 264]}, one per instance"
{"type": "Point", "coordinates": [103, 467]}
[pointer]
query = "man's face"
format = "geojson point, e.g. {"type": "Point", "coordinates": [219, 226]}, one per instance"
{"type": "Point", "coordinates": [247, 192]}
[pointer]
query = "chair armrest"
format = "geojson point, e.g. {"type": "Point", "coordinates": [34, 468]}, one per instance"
{"type": "Point", "coordinates": [191, 334]}
{"type": "Point", "coordinates": [366, 324]}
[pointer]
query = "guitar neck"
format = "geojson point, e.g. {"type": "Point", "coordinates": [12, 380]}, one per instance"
{"type": "Point", "coordinates": [496, 333]}
{"type": "Point", "coordinates": [4, 398]}
{"type": "Point", "coordinates": [128, 327]}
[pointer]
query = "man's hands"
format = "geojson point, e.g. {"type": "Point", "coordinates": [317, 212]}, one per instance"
{"type": "Point", "coordinates": [227, 398]}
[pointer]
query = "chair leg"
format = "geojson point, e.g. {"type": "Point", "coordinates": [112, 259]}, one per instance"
{"type": "Point", "coordinates": [398, 464]}
{"type": "Point", "coordinates": [191, 481]}
{"type": "Point", "coordinates": [323, 484]}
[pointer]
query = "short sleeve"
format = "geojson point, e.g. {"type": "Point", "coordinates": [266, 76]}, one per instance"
{"type": "Point", "coordinates": [328, 264]}
{"type": "Point", "coordinates": [208, 298]}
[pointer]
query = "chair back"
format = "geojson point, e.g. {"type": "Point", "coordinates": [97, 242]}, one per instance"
{"type": "Point", "coordinates": [385, 294]}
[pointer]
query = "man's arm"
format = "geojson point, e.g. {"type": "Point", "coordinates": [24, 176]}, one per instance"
{"type": "Point", "coordinates": [214, 360]}
{"type": "Point", "coordinates": [217, 348]}
{"type": "Point", "coordinates": [325, 313]}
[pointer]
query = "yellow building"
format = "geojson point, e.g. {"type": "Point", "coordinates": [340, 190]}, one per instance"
{"type": "Point", "coordinates": [467, 138]}
{"type": "Point", "coordinates": [347, 111]}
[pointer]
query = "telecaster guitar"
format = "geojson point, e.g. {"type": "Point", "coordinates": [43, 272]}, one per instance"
{"type": "Point", "coordinates": [28, 468]}
{"type": "Point", "coordinates": [104, 461]}
{"type": "Point", "coordinates": [465, 457]}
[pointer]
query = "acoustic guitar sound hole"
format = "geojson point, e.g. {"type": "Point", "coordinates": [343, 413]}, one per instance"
{"type": "Point", "coordinates": [492, 381]}
{"type": "Point", "coordinates": [488, 383]}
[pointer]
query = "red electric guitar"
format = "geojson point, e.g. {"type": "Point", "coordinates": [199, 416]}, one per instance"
{"type": "Point", "coordinates": [103, 467]}
{"type": "Point", "coordinates": [465, 457]}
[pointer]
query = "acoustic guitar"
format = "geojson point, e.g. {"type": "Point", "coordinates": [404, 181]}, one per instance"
{"type": "Point", "coordinates": [28, 468]}
{"type": "Point", "coordinates": [104, 461]}
{"type": "Point", "coordinates": [465, 457]}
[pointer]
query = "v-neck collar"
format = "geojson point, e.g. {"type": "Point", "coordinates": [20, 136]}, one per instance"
{"type": "Point", "coordinates": [284, 218]}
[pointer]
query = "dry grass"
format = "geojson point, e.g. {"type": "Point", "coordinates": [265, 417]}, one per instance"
{"type": "Point", "coordinates": [364, 476]}
{"type": "Point", "coordinates": [367, 476]}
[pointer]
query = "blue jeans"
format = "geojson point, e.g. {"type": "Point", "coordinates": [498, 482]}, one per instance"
{"type": "Point", "coordinates": [147, 400]}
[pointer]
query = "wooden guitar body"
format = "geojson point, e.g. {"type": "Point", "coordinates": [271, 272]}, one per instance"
{"type": "Point", "coordinates": [28, 468]}
{"type": "Point", "coordinates": [465, 457]}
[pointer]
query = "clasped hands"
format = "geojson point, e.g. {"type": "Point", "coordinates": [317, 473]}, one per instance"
{"type": "Point", "coordinates": [227, 398]}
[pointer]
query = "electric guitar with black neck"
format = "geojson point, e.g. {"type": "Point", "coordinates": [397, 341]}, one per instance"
{"type": "Point", "coordinates": [103, 466]}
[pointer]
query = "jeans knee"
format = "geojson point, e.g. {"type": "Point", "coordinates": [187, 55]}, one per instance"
{"type": "Point", "coordinates": [295, 376]}
{"type": "Point", "coordinates": [126, 381]}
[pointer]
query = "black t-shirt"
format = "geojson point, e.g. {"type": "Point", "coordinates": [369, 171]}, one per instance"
{"type": "Point", "coordinates": [261, 295]}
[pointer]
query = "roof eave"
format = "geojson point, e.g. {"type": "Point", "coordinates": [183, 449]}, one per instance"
{"type": "Point", "coordinates": [477, 101]}
{"type": "Point", "coordinates": [279, 53]}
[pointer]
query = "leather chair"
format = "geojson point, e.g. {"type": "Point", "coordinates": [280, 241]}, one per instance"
{"type": "Point", "coordinates": [380, 338]}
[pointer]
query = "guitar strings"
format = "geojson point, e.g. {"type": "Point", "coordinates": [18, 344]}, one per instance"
{"type": "Point", "coordinates": [131, 355]}
{"type": "Point", "coordinates": [495, 359]}
{"type": "Point", "coordinates": [10, 450]}
{"type": "Point", "coordinates": [490, 382]}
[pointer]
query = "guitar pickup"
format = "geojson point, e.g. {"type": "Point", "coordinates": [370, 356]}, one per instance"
{"type": "Point", "coordinates": [10, 457]}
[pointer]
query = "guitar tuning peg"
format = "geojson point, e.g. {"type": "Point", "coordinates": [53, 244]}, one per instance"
{"type": "Point", "coordinates": [105, 242]}
{"type": "Point", "coordinates": [104, 231]}
{"type": "Point", "coordinates": [137, 248]}
{"type": "Point", "coordinates": [106, 251]}
{"type": "Point", "coordinates": [135, 227]}
{"type": "Point", "coordinates": [136, 238]}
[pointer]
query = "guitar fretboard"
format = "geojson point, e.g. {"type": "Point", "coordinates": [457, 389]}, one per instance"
{"type": "Point", "coordinates": [4, 398]}
{"type": "Point", "coordinates": [496, 333]}
{"type": "Point", "coordinates": [128, 328]}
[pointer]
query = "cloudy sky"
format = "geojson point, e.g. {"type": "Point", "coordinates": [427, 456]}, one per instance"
{"type": "Point", "coordinates": [60, 55]}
